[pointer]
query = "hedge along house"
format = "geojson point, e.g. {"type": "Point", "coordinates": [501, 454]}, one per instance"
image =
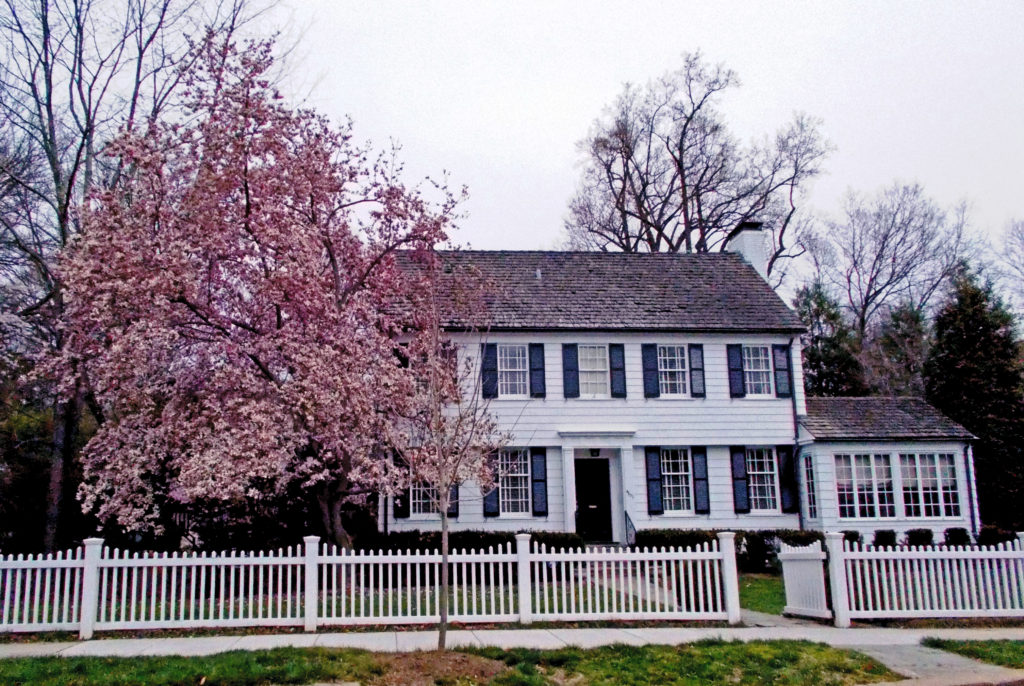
{"type": "Point", "coordinates": [642, 390]}
{"type": "Point", "coordinates": [885, 463]}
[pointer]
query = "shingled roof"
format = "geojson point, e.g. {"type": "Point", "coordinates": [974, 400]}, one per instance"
{"type": "Point", "coordinates": [535, 290]}
{"type": "Point", "coordinates": [848, 419]}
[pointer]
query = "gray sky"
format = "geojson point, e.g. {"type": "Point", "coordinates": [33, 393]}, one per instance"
{"type": "Point", "coordinates": [498, 93]}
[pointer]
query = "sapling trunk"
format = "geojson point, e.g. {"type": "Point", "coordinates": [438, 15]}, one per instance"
{"type": "Point", "coordinates": [442, 632]}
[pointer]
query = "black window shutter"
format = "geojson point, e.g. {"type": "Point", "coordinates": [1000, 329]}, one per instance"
{"type": "Point", "coordinates": [787, 479]}
{"type": "Point", "coordinates": [539, 478]}
{"type": "Point", "coordinates": [655, 506]}
{"type": "Point", "coordinates": [617, 365]}
{"type": "Point", "coordinates": [400, 501]}
{"type": "Point", "coordinates": [537, 389]}
{"type": "Point", "coordinates": [489, 369]}
{"type": "Point", "coordinates": [697, 370]}
{"type": "Point", "coordinates": [783, 371]}
{"type": "Point", "coordinates": [570, 370]}
{"type": "Point", "coordinates": [453, 502]}
{"type": "Point", "coordinates": [491, 503]}
{"type": "Point", "coordinates": [701, 497]}
{"type": "Point", "coordinates": [737, 388]}
{"type": "Point", "coordinates": [649, 357]}
{"type": "Point", "coordinates": [740, 495]}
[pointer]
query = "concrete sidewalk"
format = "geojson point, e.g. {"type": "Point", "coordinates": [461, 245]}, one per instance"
{"type": "Point", "coordinates": [899, 649]}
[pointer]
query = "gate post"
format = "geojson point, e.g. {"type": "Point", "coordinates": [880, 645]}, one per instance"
{"type": "Point", "coordinates": [837, 579]}
{"type": "Point", "coordinates": [90, 587]}
{"type": "Point", "coordinates": [310, 582]}
{"type": "Point", "coordinates": [730, 576]}
{"type": "Point", "coordinates": [523, 570]}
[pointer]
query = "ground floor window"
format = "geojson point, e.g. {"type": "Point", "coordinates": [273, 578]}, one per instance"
{"type": "Point", "coordinates": [762, 479]}
{"type": "Point", "coordinates": [422, 499]}
{"type": "Point", "coordinates": [676, 473]}
{"type": "Point", "coordinates": [929, 485]}
{"type": "Point", "coordinates": [864, 486]}
{"type": "Point", "coordinates": [514, 484]}
{"type": "Point", "coordinates": [812, 494]}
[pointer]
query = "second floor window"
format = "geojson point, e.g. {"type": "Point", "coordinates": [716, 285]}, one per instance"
{"type": "Point", "coordinates": [672, 369]}
{"type": "Point", "coordinates": [762, 480]}
{"type": "Point", "coordinates": [513, 371]}
{"type": "Point", "coordinates": [514, 485]}
{"type": "Point", "coordinates": [676, 483]}
{"type": "Point", "coordinates": [757, 370]}
{"type": "Point", "coordinates": [593, 360]}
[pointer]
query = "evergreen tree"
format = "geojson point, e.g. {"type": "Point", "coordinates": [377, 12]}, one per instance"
{"type": "Point", "coordinates": [893, 358]}
{"type": "Point", "coordinates": [974, 375]}
{"type": "Point", "coordinates": [831, 367]}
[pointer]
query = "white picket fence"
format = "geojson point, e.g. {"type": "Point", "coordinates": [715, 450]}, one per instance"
{"type": "Point", "coordinates": [925, 581]}
{"type": "Point", "coordinates": [95, 588]}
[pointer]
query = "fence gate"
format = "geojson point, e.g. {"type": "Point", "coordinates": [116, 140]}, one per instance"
{"type": "Point", "coordinates": [803, 572]}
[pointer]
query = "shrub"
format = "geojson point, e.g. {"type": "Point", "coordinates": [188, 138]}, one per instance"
{"type": "Point", "coordinates": [431, 540]}
{"type": "Point", "coordinates": [796, 537]}
{"type": "Point", "coordinates": [884, 538]}
{"type": "Point", "coordinates": [920, 537]}
{"type": "Point", "coordinates": [852, 537]}
{"type": "Point", "coordinates": [556, 540]}
{"type": "Point", "coordinates": [758, 553]}
{"type": "Point", "coordinates": [956, 536]}
{"type": "Point", "coordinates": [674, 538]}
{"type": "Point", "coordinates": [993, 535]}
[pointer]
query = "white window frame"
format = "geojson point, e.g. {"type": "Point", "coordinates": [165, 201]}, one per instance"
{"type": "Point", "coordinates": [681, 373]}
{"type": "Point", "coordinates": [941, 489]}
{"type": "Point", "coordinates": [504, 371]}
{"type": "Point", "coordinates": [606, 371]}
{"type": "Point", "coordinates": [505, 476]}
{"type": "Point", "coordinates": [810, 487]}
{"type": "Point", "coordinates": [422, 501]}
{"type": "Point", "coordinates": [748, 371]}
{"type": "Point", "coordinates": [873, 484]}
{"type": "Point", "coordinates": [776, 491]}
{"type": "Point", "coordinates": [685, 458]}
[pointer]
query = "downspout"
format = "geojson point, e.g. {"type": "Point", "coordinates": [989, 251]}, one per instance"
{"type": "Point", "coordinates": [796, 438]}
{"type": "Point", "coordinates": [971, 485]}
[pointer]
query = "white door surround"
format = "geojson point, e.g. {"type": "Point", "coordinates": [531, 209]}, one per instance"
{"type": "Point", "coordinates": [614, 446]}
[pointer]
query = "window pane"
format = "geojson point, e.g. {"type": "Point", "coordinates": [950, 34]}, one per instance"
{"type": "Point", "coordinates": [757, 370]}
{"type": "Point", "coordinates": [911, 493]}
{"type": "Point", "coordinates": [675, 480]}
{"type": "Point", "coordinates": [761, 479]}
{"type": "Point", "coordinates": [884, 487]}
{"type": "Point", "coordinates": [812, 494]}
{"type": "Point", "coordinates": [947, 481]}
{"type": "Point", "coordinates": [422, 499]}
{"type": "Point", "coordinates": [672, 369]}
{"type": "Point", "coordinates": [513, 370]}
{"type": "Point", "coordinates": [514, 486]}
{"type": "Point", "coordinates": [844, 486]}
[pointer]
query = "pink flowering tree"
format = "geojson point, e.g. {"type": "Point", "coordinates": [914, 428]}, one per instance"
{"type": "Point", "coordinates": [233, 303]}
{"type": "Point", "coordinates": [449, 437]}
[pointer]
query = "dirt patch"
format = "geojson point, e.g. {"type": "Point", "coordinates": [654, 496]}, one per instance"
{"type": "Point", "coordinates": [437, 669]}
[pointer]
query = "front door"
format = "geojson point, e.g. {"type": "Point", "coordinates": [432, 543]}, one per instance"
{"type": "Point", "coordinates": [593, 500]}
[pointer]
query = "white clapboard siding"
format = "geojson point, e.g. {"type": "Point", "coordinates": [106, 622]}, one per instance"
{"type": "Point", "coordinates": [937, 581]}
{"type": "Point", "coordinates": [41, 592]}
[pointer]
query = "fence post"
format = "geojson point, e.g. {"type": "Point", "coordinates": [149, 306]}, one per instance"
{"type": "Point", "coordinates": [525, 588]}
{"type": "Point", "coordinates": [730, 576]}
{"type": "Point", "coordinates": [90, 587]}
{"type": "Point", "coordinates": [837, 579]}
{"type": "Point", "coordinates": [310, 581]}
{"type": "Point", "coordinates": [1020, 540]}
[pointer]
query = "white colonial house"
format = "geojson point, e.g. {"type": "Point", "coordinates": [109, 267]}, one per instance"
{"type": "Point", "coordinates": [666, 391]}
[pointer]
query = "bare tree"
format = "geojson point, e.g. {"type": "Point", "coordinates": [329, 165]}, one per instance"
{"type": "Point", "coordinates": [1013, 257]}
{"type": "Point", "coordinates": [450, 438]}
{"type": "Point", "coordinates": [73, 73]}
{"type": "Point", "coordinates": [896, 248]}
{"type": "Point", "coordinates": [662, 172]}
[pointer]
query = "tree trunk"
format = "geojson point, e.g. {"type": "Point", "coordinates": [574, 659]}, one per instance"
{"type": "Point", "coordinates": [330, 514]}
{"type": "Point", "coordinates": [65, 427]}
{"type": "Point", "coordinates": [442, 629]}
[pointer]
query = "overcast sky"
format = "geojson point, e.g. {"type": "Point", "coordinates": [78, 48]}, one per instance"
{"type": "Point", "coordinates": [498, 93]}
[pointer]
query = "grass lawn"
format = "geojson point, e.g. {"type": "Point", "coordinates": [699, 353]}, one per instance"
{"type": "Point", "coordinates": [763, 593]}
{"type": "Point", "coordinates": [1004, 653]}
{"type": "Point", "coordinates": [710, 662]}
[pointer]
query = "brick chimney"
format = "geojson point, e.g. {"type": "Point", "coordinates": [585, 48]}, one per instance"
{"type": "Point", "coordinates": [751, 244]}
